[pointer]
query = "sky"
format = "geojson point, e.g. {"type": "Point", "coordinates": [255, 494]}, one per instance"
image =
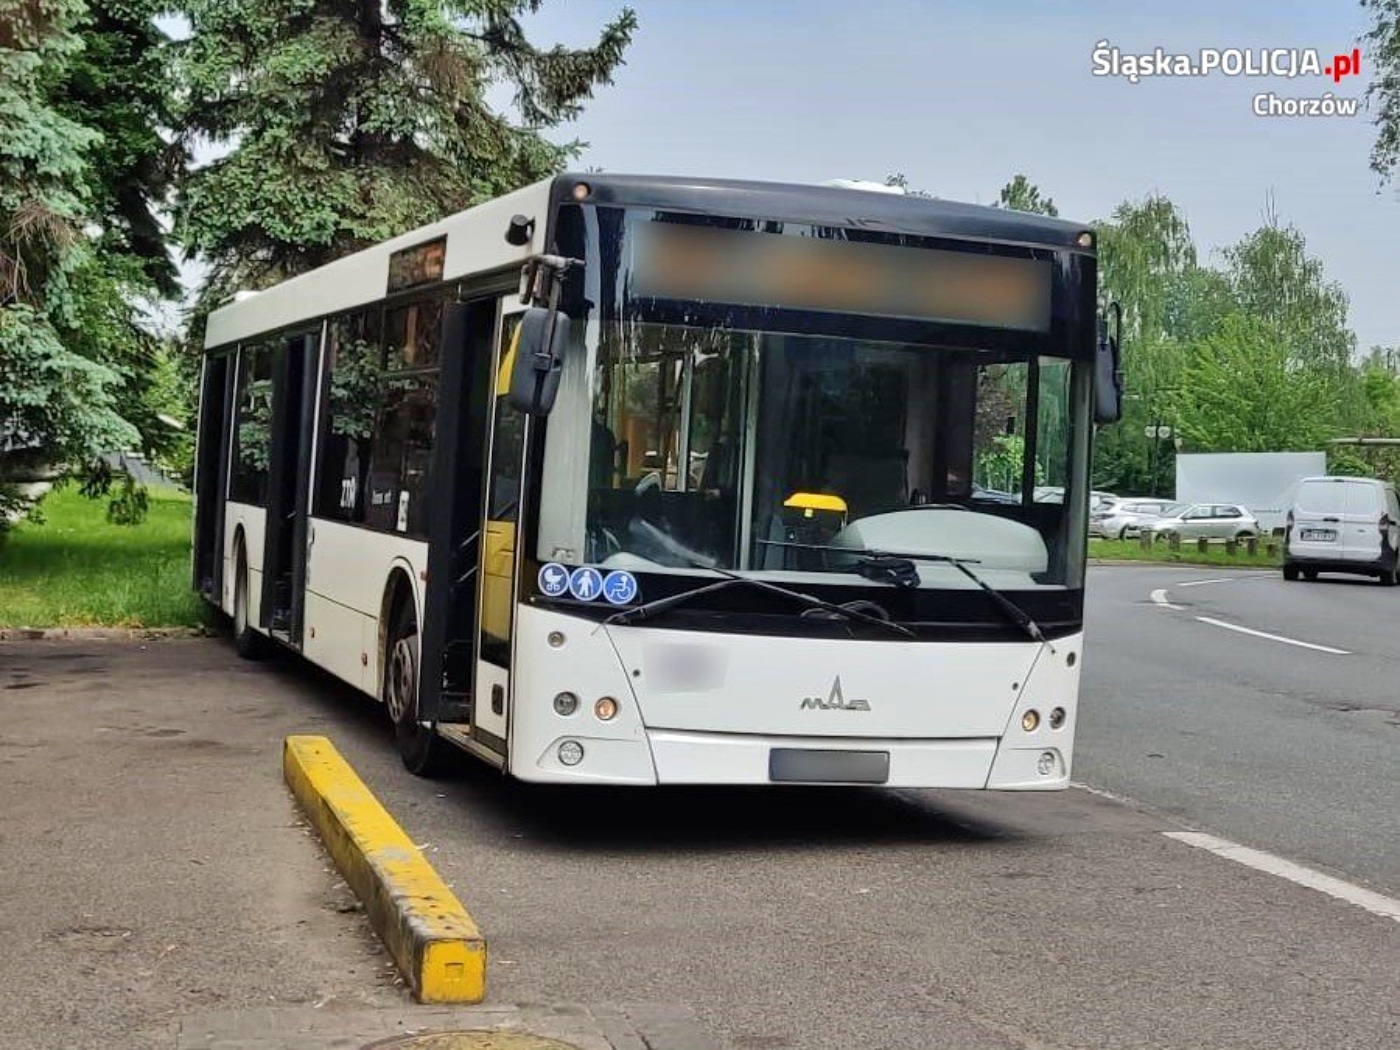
{"type": "Point", "coordinates": [961, 96]}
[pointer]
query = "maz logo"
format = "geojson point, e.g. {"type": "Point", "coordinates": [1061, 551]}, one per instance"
{"type": "Point", "coordinates": [835, 699]}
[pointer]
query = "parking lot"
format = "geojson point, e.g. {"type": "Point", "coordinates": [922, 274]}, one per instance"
{"type": "Point", "coordinates": [167, 887]}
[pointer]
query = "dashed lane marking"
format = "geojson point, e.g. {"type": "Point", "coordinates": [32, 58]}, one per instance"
{"type": "Point", "coordinates": [1272, 637]}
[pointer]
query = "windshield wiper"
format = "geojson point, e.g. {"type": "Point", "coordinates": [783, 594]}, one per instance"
{"type": "Point", "coordinates": [660, 605]}
{"type": "Point", "coordinates": [898, 568]}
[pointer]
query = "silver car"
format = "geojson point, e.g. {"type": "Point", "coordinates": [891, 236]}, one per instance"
{"type": "Point", "coordinates": [1217, 521]}
{"type": "Point", "coordinates": [1124, 519]}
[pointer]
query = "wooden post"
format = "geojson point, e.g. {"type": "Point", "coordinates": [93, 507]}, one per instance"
{"type": "Point", "coordinates": [1251, 545]}
{"type": "Point", "coordinates": [1202, 544]}
{"type": "Point", "coordinates": [1271, 549]}
{"type": "Point", "coordinates": [1232, 546]}
{"type": "Point", "coordinates": [1145, 540]}
{"type": "Point", "coordinates": [1175, 542]}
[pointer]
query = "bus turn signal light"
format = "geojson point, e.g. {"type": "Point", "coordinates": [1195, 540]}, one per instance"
{"type": "Point", "coordinates": [605, 708]}
{"type": "Point", "coordinates": [1030, 720]}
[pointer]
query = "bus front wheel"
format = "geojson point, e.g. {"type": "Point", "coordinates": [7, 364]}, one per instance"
{"type": "Point", "coordinates": [423, 752]}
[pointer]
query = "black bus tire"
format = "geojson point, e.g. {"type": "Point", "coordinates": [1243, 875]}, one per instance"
{"type": "Point", "coordinates": [248, 642]}
{"type": "Point", "coordinates": [424, 753]}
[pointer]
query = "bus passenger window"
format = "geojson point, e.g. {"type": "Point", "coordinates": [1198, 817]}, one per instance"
{"type": "Point", "coordinates": [355, 366]}
{"type": "Point", "coordinates": [253, 426]}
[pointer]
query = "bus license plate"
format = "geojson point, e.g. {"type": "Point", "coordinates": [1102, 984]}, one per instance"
{"type": "Point", "coordinates": [1318, 534]}
{"type": "Point", "coordinates": [796, 765]}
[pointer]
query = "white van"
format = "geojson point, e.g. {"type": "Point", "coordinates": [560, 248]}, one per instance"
{"type": "Point", "coordinates": [1343, 525]}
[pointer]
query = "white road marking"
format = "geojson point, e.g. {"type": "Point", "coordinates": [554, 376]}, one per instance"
{"type": "Point", "coordinates": [1202, 583]}
{"type": "Point", "coordinates": [1272, 637]}
{"type": "Point", "coordinates": [1374, 902]}
{"type": "Point", "coordinates": [1159, 597]}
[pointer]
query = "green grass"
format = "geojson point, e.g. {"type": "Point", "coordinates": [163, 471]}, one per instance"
{"type": "Point", "coordinates": [74, 569]}
{"type": "Point", "coordinates": [1131, 550]}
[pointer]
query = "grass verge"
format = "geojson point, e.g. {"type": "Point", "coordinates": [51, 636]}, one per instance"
{"type": "Point", "coordinates": [1131, 550]}
{"type": "Point", "coordinates": [75, 569]}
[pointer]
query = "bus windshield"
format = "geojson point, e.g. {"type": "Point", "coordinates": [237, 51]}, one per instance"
{"type": "Point", "coordinates": [753, 450]}
{"type": "Point", "coordinates": [762, 433]}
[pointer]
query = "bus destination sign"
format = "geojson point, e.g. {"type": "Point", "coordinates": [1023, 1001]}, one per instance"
{"type": "Point", "coordinates": [676, 261]}
{"type": "Point", "coordinates": [421, 264]}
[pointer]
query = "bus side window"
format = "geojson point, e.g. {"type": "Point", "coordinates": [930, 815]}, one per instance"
{"type": "Point", "coordinates": [252, 426]}
{"type": "Point", "coordinates": [355, 380]}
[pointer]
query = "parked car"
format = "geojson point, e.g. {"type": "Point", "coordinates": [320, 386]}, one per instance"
{"type": "Point", "coordinates": [994, 496]}
{"type": "Point", "coordinates": [1342, 524]}
{"type": "Point", "coordinates": [1056, 494]}
{"type": "Point", "coordinates": [1124, 519]}
{"type": "Point", "coordinates": [1212, 520]}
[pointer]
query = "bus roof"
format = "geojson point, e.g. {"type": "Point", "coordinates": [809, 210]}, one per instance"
{"type": "Point", "coordinates": [830, 206]}
{"type": "Point", "coordinates": [475, 239]}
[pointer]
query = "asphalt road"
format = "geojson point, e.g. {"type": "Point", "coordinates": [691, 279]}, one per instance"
{"type": "Point", "coordinates": [1284, 748]}
{"type": "Point", "coordinates": [157, 882]}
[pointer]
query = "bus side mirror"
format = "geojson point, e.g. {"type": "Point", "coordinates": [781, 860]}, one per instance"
{"type": "Point", "coordinates": [1108, 371]}
{"type": "Point", "coordinates": [537, 360]}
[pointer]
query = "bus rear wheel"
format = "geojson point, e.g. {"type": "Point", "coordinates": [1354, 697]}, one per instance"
{"type": "Point", "coordinates": [249, 643]}
{"type": "Point", "coordinates": [423, 752]}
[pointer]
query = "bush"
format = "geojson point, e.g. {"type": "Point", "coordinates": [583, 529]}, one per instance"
{"type": "Point", "coordinates": [131, 505]}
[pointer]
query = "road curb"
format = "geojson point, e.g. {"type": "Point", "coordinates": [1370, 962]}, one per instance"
{"type": "Point", "coordinates": [434, 942]}
{"type": "Point", "coordinates": [85, 634]}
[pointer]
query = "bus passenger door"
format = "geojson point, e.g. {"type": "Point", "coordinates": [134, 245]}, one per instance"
{"type": "Point", "coordinates": [465, 399]}
{"type": "Point", "coordinates": [499, 547]}
{"type": "Point", "coordinates": [211, 475]}
{"type": "Point", "coordinates": [284, 546]}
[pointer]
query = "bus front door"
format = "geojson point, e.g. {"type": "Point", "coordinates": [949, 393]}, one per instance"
{"type": "Point", "coordinates": [499, 547]}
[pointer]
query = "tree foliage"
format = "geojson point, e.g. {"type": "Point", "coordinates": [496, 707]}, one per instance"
{"type": "Point", "coordinates": [58, 400]}
{"type": "Point", "coordinates": [349, 122]}
{"type": "Point", "coordinates": [1242, 389]}
{"type": "Point", "coordinates": [1020, 194]}
{"type": "Point", "coordinates": [118, 85]}
{"type": "Point", "coordinates": [1383, 50]}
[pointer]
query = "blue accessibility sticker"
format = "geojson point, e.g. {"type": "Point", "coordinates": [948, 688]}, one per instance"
{"type": "Point", "coordinates": [585, 584]}
{"type": "Point", "coordinates": [554, 579]}
{"type": "Point", "coordinates": [620, 587]}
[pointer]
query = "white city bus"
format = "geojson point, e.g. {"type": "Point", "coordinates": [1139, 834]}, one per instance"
{"type": "Point", "coordinates": [638, 480]}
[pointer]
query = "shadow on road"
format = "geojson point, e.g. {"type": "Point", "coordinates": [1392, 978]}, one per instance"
{"type": "Point", "coordinates": [613, 819]}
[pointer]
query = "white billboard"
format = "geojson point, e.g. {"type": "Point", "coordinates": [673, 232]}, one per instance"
{"type": "Point", "coordinates": [1263, 482]}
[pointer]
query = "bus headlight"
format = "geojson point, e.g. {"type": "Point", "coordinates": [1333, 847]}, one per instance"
{"type": "Point", "coordinates": [1047, 764]}
{"type": "Point", "coordinates": [1030, 720]}
{"type": "Point", "coordinates": [570, 752]}
{"type": "Point", "coordinates": [565, 704]}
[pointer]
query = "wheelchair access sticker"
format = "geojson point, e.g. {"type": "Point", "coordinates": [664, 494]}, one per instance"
{"type": "Point", "coordinates": [620, 588]}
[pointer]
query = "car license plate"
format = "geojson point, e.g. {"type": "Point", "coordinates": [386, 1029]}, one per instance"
{"type": "Point", "coordinates": [1318, 534]}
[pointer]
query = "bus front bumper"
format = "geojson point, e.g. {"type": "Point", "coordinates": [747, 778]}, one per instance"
{"type": "Point", "coordinates": [687, 757]}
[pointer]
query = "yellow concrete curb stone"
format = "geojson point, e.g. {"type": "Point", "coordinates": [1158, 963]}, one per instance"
{"type": "Point", "coordinates": [435, 943]}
